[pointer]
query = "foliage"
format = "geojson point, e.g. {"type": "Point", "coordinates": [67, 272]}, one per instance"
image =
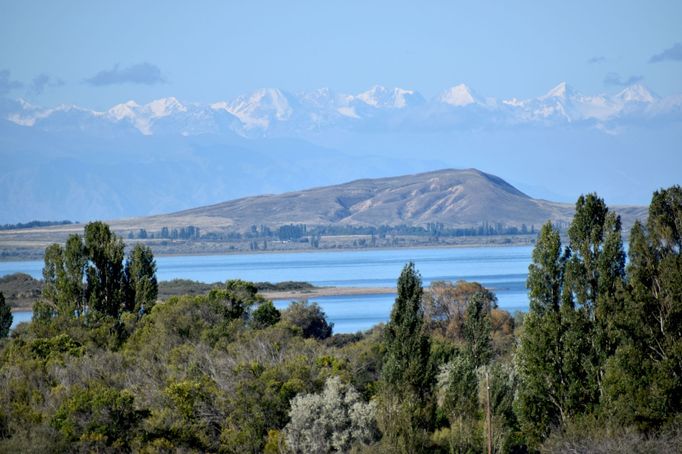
{"type": "Point", "coordinates": [407, 377]}
{"type": "Point", "coordinates": [477, 330]}
{"type": "Point", "coordinates": [97, 417]}
{"type": "Point", "coordinates": [310, 318]}
{"type": "Point", "coordinates": [332, 421]}
{"type": "Point", "coordinates": [602, 341]}
{"type": "Point", "coordinates": [265, 315]}
{"type": "Point", "coordinates": [5, 317]}
{"type": "Point", "coordinates": [140, 276]}
{"type": "Point", "coordinates": [458, 389]}
{"type": "Point", "coordinates": [445, 305]}
{"type": "Point", "coordinates": [105, 289]}
{"type": "Point", "coordinates": [406, 364]}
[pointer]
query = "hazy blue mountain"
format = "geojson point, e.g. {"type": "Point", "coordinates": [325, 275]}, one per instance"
{"type": "Point", "coordinates": [140, 159]}
{"type": "Point", "coordinates": [460, 198]}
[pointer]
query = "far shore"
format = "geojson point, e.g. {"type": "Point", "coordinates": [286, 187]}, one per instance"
{"type": "Point", "coordinates": [19, 255]}
{"type": "Point", "coordinates": [298, 295]}
{"type": "Point", "coordinates": [328, 291]}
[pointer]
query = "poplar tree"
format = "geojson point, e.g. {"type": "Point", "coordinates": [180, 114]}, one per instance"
{"type": "Point", "coordinates": [140, 276]}
{"type": "Point", "coordinates": [105, 291]}
{"type": "Point", "coordinates": [593, 274]}
{"type": "Point", "coordinates": [540, 357]}
{"type": "Point", "coordinates": [478, 330]}
{"type": "Point", "coordinates": [74, 261]}
{"type": "Point", "coordinates": [406, 361]}
{"type": "Point", "coordinates": [643, 380]}
{"type": "Point", "coordinates": [63, 276]}
{"type": "Point", "coordinates": [406, 378]}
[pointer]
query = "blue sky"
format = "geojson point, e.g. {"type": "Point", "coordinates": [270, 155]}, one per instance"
{"type": "Point", "coordinates": [97, 54]}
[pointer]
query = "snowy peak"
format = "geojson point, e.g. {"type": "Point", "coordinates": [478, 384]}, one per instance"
{"type": "Point", "coordinates": [459, 95]}
{"type": "Point", "coordinates": [261, 108]}
{"type": "Point", "coordinates": [396, 98]}
{"type": "Point", "coordinates": [561, 91]}
{"type": "Point", "coordinates": [165, 106]}
{"type": "Point", "coordinates": [635, 93]}
{"type": "Point", "coordinates": [124, 110]}
{"type": "Point", "coordinates": [272, 112]}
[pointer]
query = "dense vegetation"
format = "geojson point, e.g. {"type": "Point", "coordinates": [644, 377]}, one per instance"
{"type": "Point", "coordinates": [33, 224]}
{"type": "Point", "coordinates": [21, 290]}
{"type": "Point", "coordinates": [303, 232]}
{"type": "Point", "coordinates": [595, 365]}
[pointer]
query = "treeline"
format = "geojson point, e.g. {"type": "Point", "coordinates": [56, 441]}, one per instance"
{"type": "Point", "coordinates": [430, 230]}
{"type": "Point", "coordinates": [32, 224]}
{"type": "Point", "coordinates": [602, 342]}
{"type": "Point", "coordinates": [594, 366]}
{"type": "Point", "coordinates": [183, 233]}
{"type": "Point", "coordinates": [312, 234]}
{"type": "Point", "coordinates": [305, 233]}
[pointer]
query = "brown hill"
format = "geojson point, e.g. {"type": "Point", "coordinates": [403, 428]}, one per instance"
{"type": "Point", "coordinates": [455, 198]}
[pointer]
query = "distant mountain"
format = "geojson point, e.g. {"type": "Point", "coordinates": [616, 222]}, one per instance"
{"type": "Point", "coordinates": [454, 198]}
{"type": "Point", "coordinates": [273, 112]}
{"type": "Point", "coordinates": [138, 159]}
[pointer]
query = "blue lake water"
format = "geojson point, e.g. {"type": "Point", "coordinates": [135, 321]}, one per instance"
{"type": "Point", "coordinates": [502, 269]}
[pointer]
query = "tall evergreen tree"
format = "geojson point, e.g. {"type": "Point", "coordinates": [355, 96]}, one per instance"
{"type": "Point", "coordinates": [74, 261]}
{"type": "Point", "coordinates": [406, 362]}
{"type": "Point", "coordinates": [542, 400]}
{"type": "Point", "coordinates": [63, 276]}
{"type": "Point", "coordinates": [593, 274]}
{"type": "Point", "coordinates": [406, 377]}
{"type": "Point", "coordinates": [644, 377]}
{"type": "Point", "coordinates": [105, 291]}
{"type": "Point", "coordinates": [140, 274]}
{"type": "Point", "coordinates": [53, 274]}
{"type": "Point", "coordinates": [478, 330]}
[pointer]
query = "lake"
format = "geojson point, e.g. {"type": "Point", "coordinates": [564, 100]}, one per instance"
{"type": "Point", "coordinates": [502, 269]}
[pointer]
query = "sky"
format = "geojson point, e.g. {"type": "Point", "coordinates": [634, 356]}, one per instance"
{"type": "Point", "coordinates": [97, 54]}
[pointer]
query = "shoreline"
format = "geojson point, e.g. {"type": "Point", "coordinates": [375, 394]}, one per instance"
{"type": "Point", "coordinates": [299, 295]}
{"type": "Point", "coordinates": [208, 253]}
{"type": "Point", "coordinates": [328, 291]}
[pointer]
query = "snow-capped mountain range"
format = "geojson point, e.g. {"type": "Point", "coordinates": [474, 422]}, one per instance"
{"type": "Point", "coordinates": [272, 112]}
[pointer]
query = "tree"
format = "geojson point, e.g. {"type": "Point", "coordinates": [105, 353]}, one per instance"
{"type": "Point", "coordinates": [333, 421]}
{"type": "Point", "coordinates": [540, 356]}
{"type": "Point", "coordinates": [105, 291]}
{"type": "Point", "coordinates": [310, 318]}
{"type": "Point", "coordinates": [63, 276]}
{"type": "Point", "coordinates": [445, 305]}
{"type": "Point", "coordinates": [266, 314]}
{"type": "Point", "coordinates": [53, 278]}
{"type": "Point", "coordinates": [477, 330]}
{"type": "Point", "coordinates": [458, 399]}
{"type": "Point", "coordinates": [74, 261]}
{"type": "Point", "coordinates": [407, 347]}
{"type": "Point", "coordinates": [140, 276]}
{"type": "Point", "coordinates": [111, 286]}
{"type": "Point", "coordinates": [98, 418]}
{"type": "Point", "coordinates": [406, 377]}
{"type": "Point", "coordinates": [594, 273]}
{"type": "Point", "coordinates": [5, 317]}
{"type": "Point", "coordinates": [643, 380]}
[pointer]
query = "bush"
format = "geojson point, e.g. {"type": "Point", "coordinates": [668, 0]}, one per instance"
{"type": "Point", "coordinates": [332, 421]}
{"type": "Point", "coordinates": [310, 318]}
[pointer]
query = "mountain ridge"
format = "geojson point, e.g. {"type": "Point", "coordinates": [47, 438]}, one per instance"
{"type": "Point", "coordinates": [454, 198]}
{"type": "Point", "coordinates": [276, 112]}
